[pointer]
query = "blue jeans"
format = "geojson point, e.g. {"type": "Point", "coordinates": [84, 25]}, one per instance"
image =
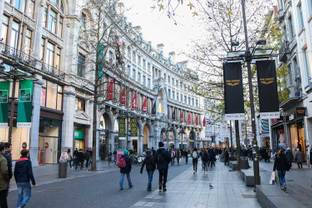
{"type": "Point", "coordinates": [281, 176]}
{"type": "Point", "coordinates": [122, 178]}
{"type": "Point", "coordinates": [24, 194]}
{"type": "Point", "coordinates": [150, 179]}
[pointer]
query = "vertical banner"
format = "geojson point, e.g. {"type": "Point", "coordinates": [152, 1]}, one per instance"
{"type": "Point", "coordinates": [181, 116]}
{"type": "Point", "coordinates": [110, 89]}
{"type": "Point", "coordinates": [134, 100]}
{"type": "Point", "coordinates": [4, 102]}
{"type": "Point", "coordinates": [173, 114]}
{"type": "Point", "coordinates": [189, 118]}
{"type": "Point", "coordinates": [267, 85]}
{"type": "Point", "coordinates": [100, 59]}
{"type": "Point", "coordinates": [24, 107]}
{"type": "Point", "coordinates": [233, 91]}
{"type": "Point", "coordinates": [122, 98]}
{"type": "Point", "coordinates": [144, 105]}
{"type": "Point", "coordinates": [204, 121]}
{"type": "Point", "coordinates": [196, 120]}
{"type": "Point", "coordinates": [133, 127]}
{"type": "Point", "coordinates": [122, 127]}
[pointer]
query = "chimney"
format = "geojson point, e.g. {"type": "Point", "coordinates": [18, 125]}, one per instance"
{"type": "Point", "coordinates": [172, 57]}
{"type": "Point", "coordinates": [160, 48]}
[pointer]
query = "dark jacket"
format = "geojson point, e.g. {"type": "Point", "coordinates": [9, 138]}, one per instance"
{"type": "Point", "coordinates": [205, 157]}
{"type": "Point", "coordinates": [149, 162]}
{"type": "Point", "coordinates": [280, 163]}
{"type": "Point", "coordinates": [4, 175]}
{"type": "Point", "coordinates": [126, 169]}
{"type": "Point", "coordinates": [23, 171]}
{"type": "Point", "coordinates": [163, 158]}
{"type": "Point", "coordinates": [8, 157]}
{"type": "Point", "coordinates": [289, 156]}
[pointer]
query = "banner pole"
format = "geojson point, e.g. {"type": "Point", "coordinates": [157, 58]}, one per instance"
{"type": "Point", "coordinates": [12, 110]}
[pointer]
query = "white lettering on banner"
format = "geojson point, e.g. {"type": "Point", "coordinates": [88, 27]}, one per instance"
{"type": "Point", "coordinates": [23, 125]}
{"type": "Point", "coordinates": [270, 115]}
{"type": "Point", "coordinates": [234, 116]}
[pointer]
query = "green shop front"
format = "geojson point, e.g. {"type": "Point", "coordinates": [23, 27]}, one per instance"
{"type": "Point", "coordinates": [80, 137]}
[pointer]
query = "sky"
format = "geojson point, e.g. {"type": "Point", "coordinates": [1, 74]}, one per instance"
{"type": "Point", "coordinates": [158, 28]}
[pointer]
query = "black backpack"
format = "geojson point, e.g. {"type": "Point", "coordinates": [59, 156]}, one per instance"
{"type": "Point", "coordinates": [150, 162]}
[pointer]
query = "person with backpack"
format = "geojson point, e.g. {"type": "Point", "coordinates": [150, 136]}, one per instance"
{"type": "Point", "coordinates": [162, 160]}
{"type": "Point", "coordinates": [4, 178]}
{"type": "Point", "coordinates": [124, 163]}
{"type": "Point", "coordinates": [150, 163]}
{"type": "Point", "coordinates": [23, 174]}
{"type": "Point", "coordinates": [195, 160]}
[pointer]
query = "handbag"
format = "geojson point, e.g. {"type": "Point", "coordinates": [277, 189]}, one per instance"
{"type": "Point", "coordinates": [273, 178]}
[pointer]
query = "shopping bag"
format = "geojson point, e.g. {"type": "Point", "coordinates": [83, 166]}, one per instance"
{"type": "Point", "coordinates": [273, 178]}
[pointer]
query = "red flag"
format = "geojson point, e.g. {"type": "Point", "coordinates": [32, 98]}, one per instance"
{"type": "Point", "coordinates": [122, 98]}
{"type": "Point", "coordinates": [110, 89]}
{"type": "Point", "coordinates": [204, 121]}
{"type": "Point", "coordinates": [134, 100]}
{"type": "Point", "coordinates": [196, 120]}
{"type": "Point", "coordinates": [181, 116]}
{"type": "Point", "coordinates": [144, 106]}
{"type": "Point", "coordinates": [189, 118]}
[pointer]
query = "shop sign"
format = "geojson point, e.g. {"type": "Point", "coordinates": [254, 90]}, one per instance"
{"type": "Point", "coordinates": [133, 127]}
{"type": "Point", "coordinates": [122, 127]}
{"type": "Point", "coordinates": [24, 107]}
{"type": "Point", "coordinates": [79, 134]}
{"type": "Point", "coordinates": [4, 101]}
{"type": "Point", "coordinates": [300, 112]}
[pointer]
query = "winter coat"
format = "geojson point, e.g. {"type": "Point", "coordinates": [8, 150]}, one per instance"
{"type": "Point", "coordinates": [127, 169]}
{"type": "Point", "coordinates": [289, 156]}
{"type": "Point", "coordinates": [163, 158]}
{"type": "Point", "coordinates": [4, 174]}
{"type": "Point", "coordinates": [8, 157]}
{"type": "Point", "coordinates": [299, 157]}
{"type": "Point", "coordinates": [280, 163]}
{"type": "Point", "coordinates": [23, 171]}
{"type": "Point", "coordinates": [205, 157]}
{"type": "Point", "coordinates": [149, 162]}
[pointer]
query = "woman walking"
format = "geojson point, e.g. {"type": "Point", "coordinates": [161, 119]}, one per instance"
{"type": "Point", "coordinates": [281, 165]}
{"type": "Point", "coordinates": [150, 163]}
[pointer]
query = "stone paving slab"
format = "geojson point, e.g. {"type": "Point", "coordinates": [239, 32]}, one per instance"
{"type": "Point", "coordinates": [219, 188]}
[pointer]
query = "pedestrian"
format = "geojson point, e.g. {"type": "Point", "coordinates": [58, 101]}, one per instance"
{"type": "Point", "coordinates": [8, 156]}
{"type": "Point", "coordinates": [124, 163]}
{"type": "Point", "coordinates": [212, 157]}
{"type": "Point", "coordinates": [70, 158]}
{"type": "Point", "coordinates": [178, 154]}
{"type": "Point", "coordinates": [4, 179]}
{"type": "Point", "coordinates": [226, 157]}
{"type": "Point", "coordinates": [76, 158]}
{"type": "Point", "coordinates": [289, 157]}
{"type": "Point", "coordinates": [281, 165]}
{"type": "Point", "coordinates": [186, 156]}
{"type": "Point", "coordinates": [81, 158]}
{"type": "Point", "coordinates": [194, 160]}
{"type": "Point", "coordinates": [172, 156]}
{"type": "Point", "coordinates": [150, 163]}
{"type": "Point", "coordinates": [299, 158]}
{"type": "Point", "coordinates": [205, 158]}
{"type": "Point", "coordinates": [23, 174]}
{"type": "Point", "coordinates": [87, 158]}
{"type": "Point", "coordinates": [162, 161]}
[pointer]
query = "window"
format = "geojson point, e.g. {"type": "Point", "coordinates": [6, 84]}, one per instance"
{"type": "Point", "coordinates": [52, 17]}
{"type": "Point", "coordinates": [27, 41]}
{"type": "Point", "coordinates": [139, 60]}
{"type": "Point", "coordinates": [177, 83]}
{"type": "Point", "coordinates": [149, 83]}
{"type": "Point", "coordinates": [20, 5]}
{"type": "Point", "coordinates": [189, 100]}
{"type": "Point", "coordinates": [5, 26]}
{"type": "Point", "coordinates": [144, 80]}
{"type": "Point", "coordinates": [60, 27]}
{"type": "Point", "coordinates": [129, 52]}
{"type": "Point", "coordinates": [133, 74]}
{"type": "Point", "coordinates": [306, 64]}
{"type": "Point", "coordinates": [185, 99]}
{"type": "Point", "coordinates": [133, 57]}
{"type": "Point", "coordinates": [172, 81]}
{"type": "Point", "coordinates": [83, 21]}
{"type": "Point", "coordinates": [139, 77]}
{"type": "Point", "coordinates": [14, 35]}
{"type": "Point", "coordinates": [168, 79]}
{"type": "Point", "coordinates": [129, 69]}
{"type": "Point", "coordinates": [169, 93]}
{"type": "Point", "coordinates": [181, 98]}
{"type": "Point", "coordinates": [30, 8]}
{"type": "Point", "coordinates": [51, 95]}
{"type": "Point", "coordinates": [181, 84]}
{"type": "Point", "coordinates": [49, 56]}
{"type": "Point", "coordinates": [149, 67]}
{"type": "Point", "coordinates": [81, 67]}
{"type": "Point", "coordinates": [196, 102]}
{"type": "Point", "coordinates": [57, 60]}
{"type": "Point", "coordinates": [177, 96]}
{"type": "Point", "coordinates": [173, 94]}
{"type": "Point", "coordinates": [144, 64]}
{"type": "Point", "coordinates": [193, 102]}
{"type": "Point", "coordinates": [300, 17]}
{"type": "Point", "coordinates": [80, 104]}
{"type": "Point", "coordinates": [165, 77]}
{"type": "Point", "coordinates": [290, 28]}
{"type": "Point", "coordinates": [42, 49]}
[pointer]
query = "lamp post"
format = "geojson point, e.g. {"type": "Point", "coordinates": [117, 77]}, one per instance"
{"type": "Point", "coordinates": [248, 58]}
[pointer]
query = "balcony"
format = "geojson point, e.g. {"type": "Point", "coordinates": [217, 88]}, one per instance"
{"type": "Point", "coordinates": [17, 55]}
{"type": "Point", "coordinates": [283, 52]}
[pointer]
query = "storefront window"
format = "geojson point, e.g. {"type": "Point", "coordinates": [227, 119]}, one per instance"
{"type": "Point", "coordinates": [80, 104]}
{"type": "Point", "coordinates": [51, 95]}
{"type": "Point", "coordinates": [59, 97]}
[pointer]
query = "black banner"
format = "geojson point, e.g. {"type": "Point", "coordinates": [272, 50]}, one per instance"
{"type": "Point", "coordinates": [267, 85]}
{"type": "Point", "coordinates": [233, 91]}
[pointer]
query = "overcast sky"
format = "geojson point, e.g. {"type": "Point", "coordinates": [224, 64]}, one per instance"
{"type": "Point", "coordinates": [158, 28]}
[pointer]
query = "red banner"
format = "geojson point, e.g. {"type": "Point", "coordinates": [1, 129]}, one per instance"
{"type": "Point", "coordinates": [189, 118]}
{"type": "Point", "coordinates": [110, 89]}
{"type": "Point", "coordinates": [204, 121]}
{"type": "Point", "coordinates": [144, 106]}
{"type": "Point", "coordinates": [181, 116]}
{"type": "Point", "coordinates": [122, 98]}
{"type": "Point", "coordinates": [196, 120]}
{"type": "Point", "coordinates": [134, 100]}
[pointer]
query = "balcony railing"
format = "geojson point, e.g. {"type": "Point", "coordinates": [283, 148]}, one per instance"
{"type": "Point", "coordinates": [20, 57]}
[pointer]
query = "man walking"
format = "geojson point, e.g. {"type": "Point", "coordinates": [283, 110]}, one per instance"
{"type": "Point", "coordinates": [124, 164]}
{"type": "Point", "coordinates": [8, 156]}
{"type": "Point", "coordinates": [150, 163]}
{"type": "Point", "coordinates": [23, 174]}
{"type": "Point", "coordinates": [162, 161]}
{"type": "Point", "coordinates": [299, 158]}
{"type": "Point", "coordinates": [4, 179]}
{"type": "Point", "coordinates": [195, 160]}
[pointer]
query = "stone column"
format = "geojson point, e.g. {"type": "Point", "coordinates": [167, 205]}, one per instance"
{"type": "Point", "coordinates": [68, 118]}
{"type": "Point", "coordinates": [35, 120]}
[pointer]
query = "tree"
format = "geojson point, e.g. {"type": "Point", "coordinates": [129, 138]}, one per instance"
{"type": "Point", "coordinates": [99, 36]}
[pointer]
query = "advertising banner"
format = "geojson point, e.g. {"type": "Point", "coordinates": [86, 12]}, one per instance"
{"type": "Point", "coordinates": [24, 107]}
{"type": "Point", "coordinates": [122, 127]}
{"type": "Point", "coordinates": [144, 105]}
{"type": "Point", "coordinates": [233, 91]}
{"type": "Point", "coordinates": [134, 100]}
{"type": "Point", "coordinates": [267, 85]}
{"type": "Point", "coordinates": [133, 127]}
{"type": "Point", "coordinates": [123, 100]}
{"type": "Point", "coordinates": [110, 89]}
{"type": "Point", "coordinates": [4, 102]}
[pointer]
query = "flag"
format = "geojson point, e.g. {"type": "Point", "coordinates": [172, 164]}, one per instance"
{"type": "Point", "coordinates": [196, 120]}
{"type": "Point", "coordinates": [154, 107]}
{"type": "Point", "coordinates": [204, 121]}
{"type": "Point", "coordinates": [189, 118]}
{"type": "Point", "coordinates": [122, 98]}
{"type": "Point", "coordinates": [181, 116]}
{"type": "Point", "coordinates": [134, 100]}
{"type": "Point", "coordinates": [144, 105]}
{"type": "Point", "coordinates": [110, 89]}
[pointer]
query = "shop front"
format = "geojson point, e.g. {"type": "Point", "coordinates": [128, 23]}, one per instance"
{"type": "Point", "coordinates": [79, 138]}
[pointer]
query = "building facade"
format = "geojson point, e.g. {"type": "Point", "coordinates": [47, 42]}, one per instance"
{"type": "Point", "coordinates": [148, 101]}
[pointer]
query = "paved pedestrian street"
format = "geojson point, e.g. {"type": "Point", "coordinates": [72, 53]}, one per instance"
{"type": "Point", "coordinates": [219, 188]}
